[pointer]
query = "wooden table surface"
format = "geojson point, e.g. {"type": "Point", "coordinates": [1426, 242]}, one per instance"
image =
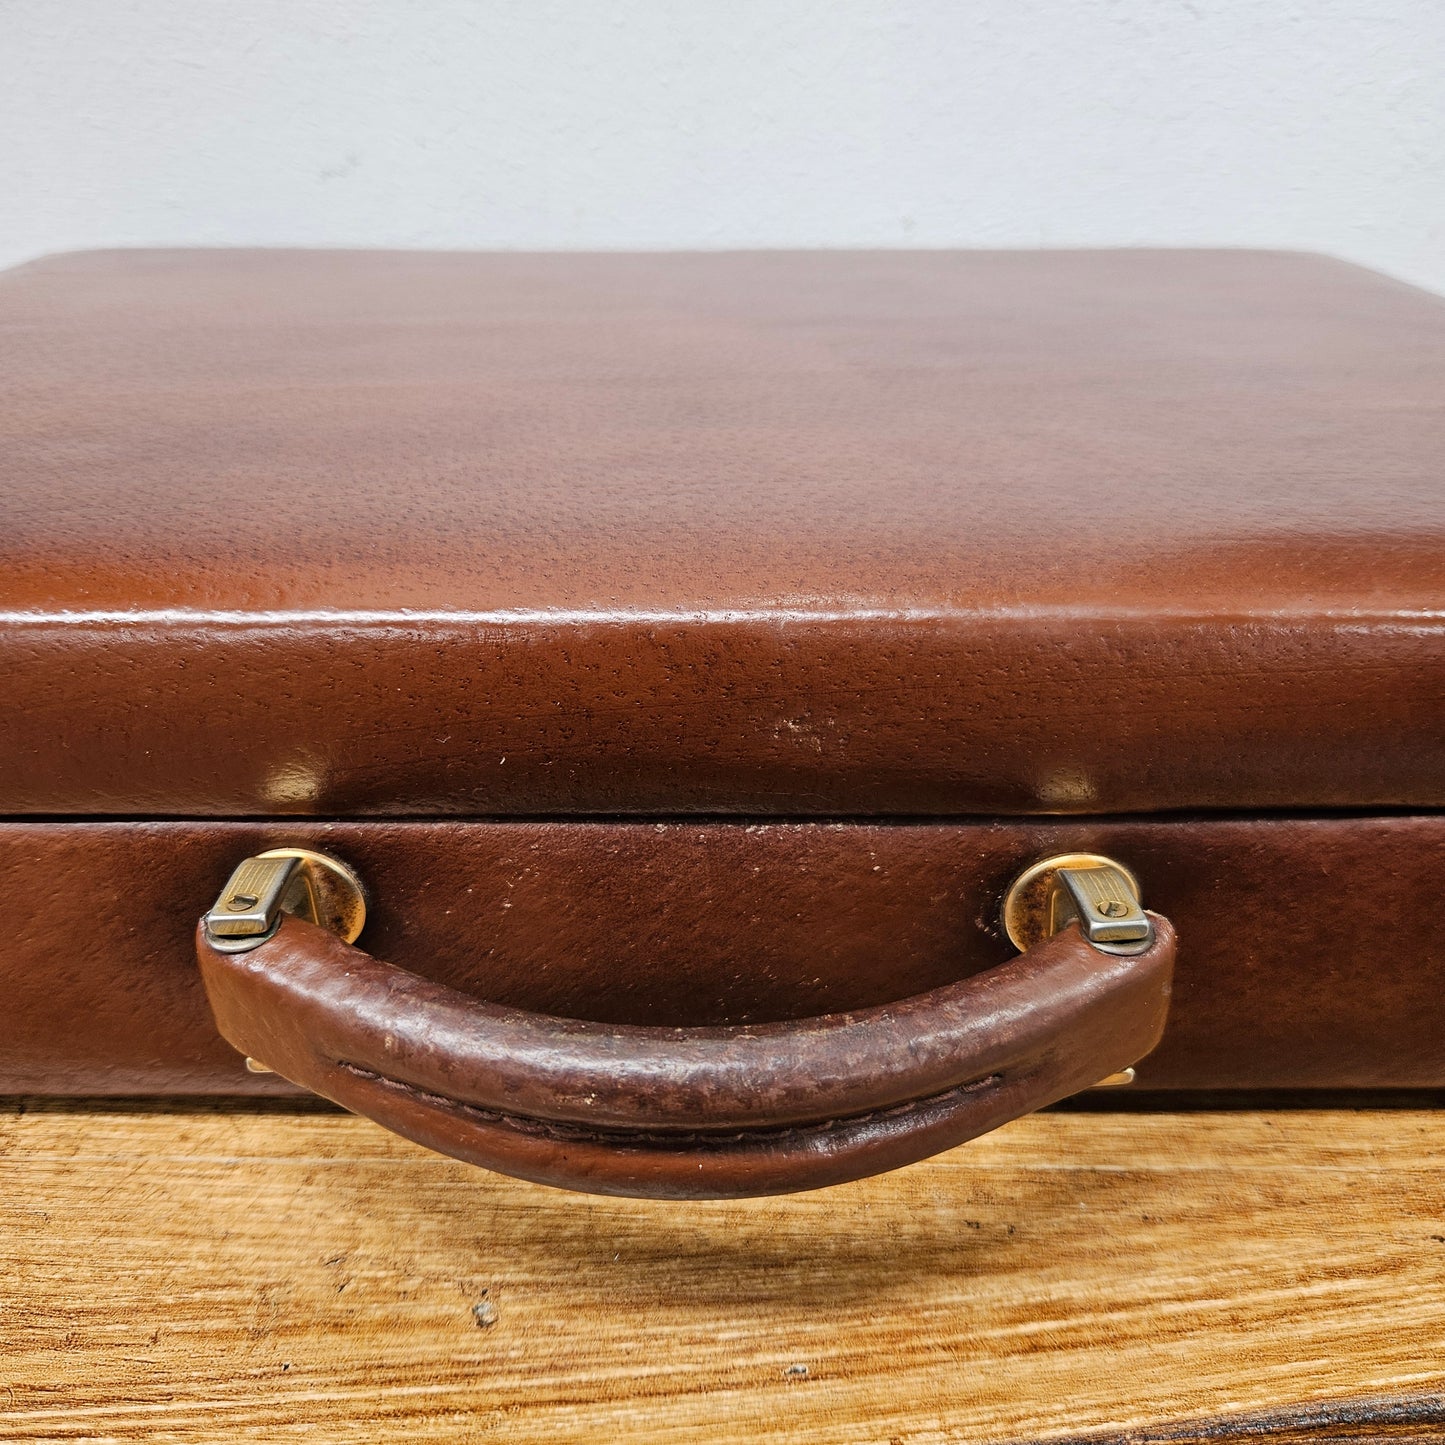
{"type": "Point", "coordinates": [216, 1275]}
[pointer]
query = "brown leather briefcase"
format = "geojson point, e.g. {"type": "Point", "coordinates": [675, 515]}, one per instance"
{"type": "Point", "coordinates": [702, 725]}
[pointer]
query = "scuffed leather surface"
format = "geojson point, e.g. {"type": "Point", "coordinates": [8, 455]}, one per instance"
{"type": "Point", "coordinates": [714, 1112]}
{"type": "Point", "coordinates": [768, 534]}
{"type": "Point", "coordinates": [1309, 947]}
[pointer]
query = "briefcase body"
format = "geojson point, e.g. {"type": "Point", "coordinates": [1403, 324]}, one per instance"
{"type": "Point", "coordinates": [679, 666]}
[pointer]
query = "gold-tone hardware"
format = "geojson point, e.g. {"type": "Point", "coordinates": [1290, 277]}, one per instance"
{"type": "Point", "coordinates": [1106, 903]}
{"type": "Point", "coordinates": [1102, 896]}
{"type": "Point", "coordinates": [254, 1066]}
{"type": "Point", "coordinates": [251, 900]}
{"type": "Point", "coordinates": [311, 885]}
{"type": "Point", "coordinates": [1114, 1081]}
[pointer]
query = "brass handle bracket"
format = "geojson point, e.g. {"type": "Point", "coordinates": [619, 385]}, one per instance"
{"type": "Point", "coordinates": [311, 885]}
{"type": "Point", "coordinates": [1095, 892]}
{"type": "Point", "coordinates": [1098, 893]}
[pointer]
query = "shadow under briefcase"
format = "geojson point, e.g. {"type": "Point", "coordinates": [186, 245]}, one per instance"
{"type": "Point", "coordinates": [764, 717]}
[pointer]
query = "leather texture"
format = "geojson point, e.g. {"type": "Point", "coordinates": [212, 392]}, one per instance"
{"type": "Point", "coordinates": [1309, 953]}
{"type": "Point", "coordinates": [703, 1113]}
{"type": "Point", "coordinates": [885, 534]}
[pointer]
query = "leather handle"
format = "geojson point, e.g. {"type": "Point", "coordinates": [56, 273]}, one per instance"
{"type": "Point", "coordinates": [688, 1113]}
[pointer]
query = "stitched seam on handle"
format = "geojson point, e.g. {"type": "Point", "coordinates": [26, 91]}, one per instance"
{"type": "Point", "coordinates": [719, 1138]}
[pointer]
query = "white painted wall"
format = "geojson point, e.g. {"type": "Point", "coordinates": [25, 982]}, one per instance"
{"type": "Point", "coordinates": [1317, 124]}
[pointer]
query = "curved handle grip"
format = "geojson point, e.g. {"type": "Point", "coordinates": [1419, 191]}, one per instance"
{"type": "Point", "coordinates": [688, 1113]}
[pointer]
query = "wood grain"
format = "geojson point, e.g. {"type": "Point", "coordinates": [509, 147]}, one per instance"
{"type": "Point", "coordinates": [268, 1275]}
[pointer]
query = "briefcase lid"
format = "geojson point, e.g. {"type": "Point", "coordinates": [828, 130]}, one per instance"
{"type": "Point", "coordinates": [767, 534]}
